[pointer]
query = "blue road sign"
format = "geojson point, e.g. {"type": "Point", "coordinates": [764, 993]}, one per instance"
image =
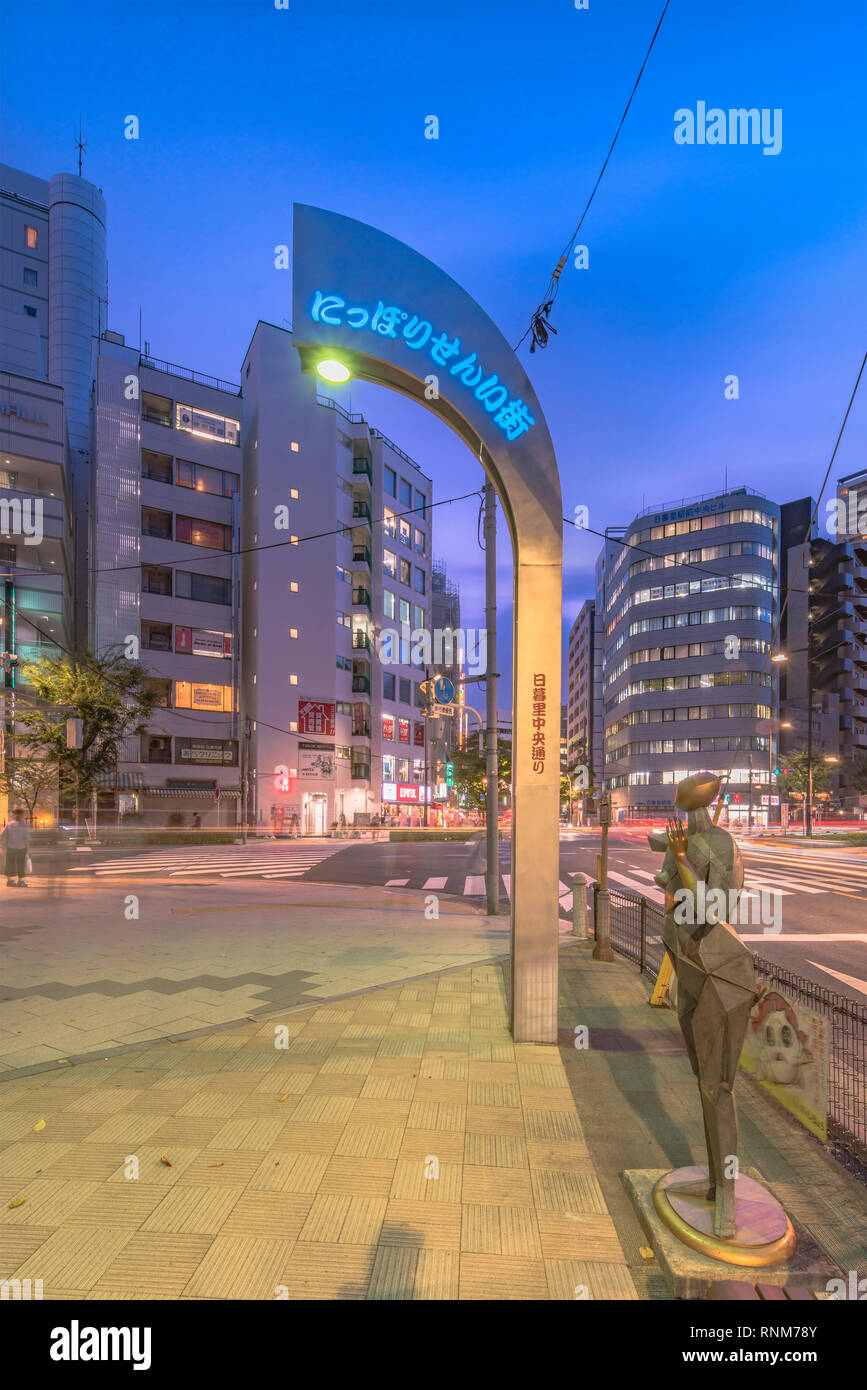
{"type": "Point", "coordinates": [444, 690]}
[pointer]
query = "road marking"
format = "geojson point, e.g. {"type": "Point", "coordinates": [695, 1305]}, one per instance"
{"type": "Point", "coordinates": [841, 894]}
{"type": "Point", "coordinates": [439, 883]}
{"type": "Point", "coordinates": [507, 880]}
{"type": "Point", "coordinates": [397, 882]}
{"type": "Point", "coordinates": [804, 937]}
{"type": "Point", "coordinates": [475, 885]}
{"type": "Point", "coordinates": [653, 894]}
{"type": "Point", "coordinates": [785, 886]}
{"type": "Point", "coordinates": [851, 980]}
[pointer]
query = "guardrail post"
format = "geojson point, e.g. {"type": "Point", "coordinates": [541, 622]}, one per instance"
{"type": "Point", "coordinates": [595, 908]}
{"type": "Point", "coordinates": [579, 907]}
{"type": "Point", "coordinates": [643, 950]}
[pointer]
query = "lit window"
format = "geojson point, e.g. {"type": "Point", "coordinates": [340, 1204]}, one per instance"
{"type": "Point", "coordinates": [207, 425]}
{"type": "Point", "coordinates": [293, 726]}
{"type": "Point", "coordinates": [293, 493]}
{"type": "Point", "coordinates": [293, 632]}
{"type": "Point", "coordinates": [293, 680]}
{"type": "Point", "coordinates": [293, 586]}
{"type": "Point", "coordinates": [31, 235]}
{"type": "Point", "coordinates": [295, 447]}
{"type": "Point", "coordinates": [293, 540]}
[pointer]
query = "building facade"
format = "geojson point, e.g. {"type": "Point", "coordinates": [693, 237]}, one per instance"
{"type": "Point", "coordinates": [685, 613]}
{"type": "Point", "coordinates": [582, 662]}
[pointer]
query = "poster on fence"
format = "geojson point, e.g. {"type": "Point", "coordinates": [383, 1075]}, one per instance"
{"type": "Point", "coordinates": [787, 1052]}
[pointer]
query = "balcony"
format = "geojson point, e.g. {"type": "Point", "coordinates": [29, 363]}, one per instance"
{"type": "Point", "coordinates": [361, 685]}
{"type": "Point", "coordinates": [361, 510]}
{"type": "Point", "coordinates": [361, 555]}
{"type": "Point", "coordinates": [361, 772]}
{"type": "Point", "coordinates": [360, 640]}
{"type": "Point", "coordinates": [361, 465]}
{"type": "Point", "coordinates": [361, 598]}
{"type": "Point", "coordinates": [361, 730]}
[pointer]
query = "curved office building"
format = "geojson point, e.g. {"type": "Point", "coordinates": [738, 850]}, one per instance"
{"type": "Point", "coordinates": [685, 612]}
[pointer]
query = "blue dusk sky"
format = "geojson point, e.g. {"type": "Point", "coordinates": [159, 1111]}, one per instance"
{"type": "Point", "coordinates": [704, 260]}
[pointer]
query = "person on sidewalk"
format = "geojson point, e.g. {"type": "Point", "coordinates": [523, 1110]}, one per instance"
{"type": "Point", "coordinates": [16, 840]}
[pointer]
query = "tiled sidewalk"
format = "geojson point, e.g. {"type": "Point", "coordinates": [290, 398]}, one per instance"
{"type": "Point", "coordinates": [401, 1147]}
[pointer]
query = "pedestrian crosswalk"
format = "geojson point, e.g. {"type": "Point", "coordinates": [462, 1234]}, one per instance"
{"type": "Point", "coordinates": [225, 861]}
{"type": "Point", "coordinates": [812, 879]}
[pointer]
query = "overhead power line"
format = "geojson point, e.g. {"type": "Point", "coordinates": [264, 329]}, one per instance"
{"type": "Point", "coordinates": [539, 325]}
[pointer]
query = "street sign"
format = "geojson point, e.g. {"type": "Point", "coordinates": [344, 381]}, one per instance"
{"type": "Point", "coordinates": [444, 690]}
{"type": "Point", "coordinates": [605, 812]}
{"type": "Point", "coordinates": [450, 774]}
{"type": "Point", "coordinates": [437, 710]}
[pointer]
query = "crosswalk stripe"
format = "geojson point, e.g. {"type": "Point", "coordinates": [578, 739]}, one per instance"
{"type": "Point", "coordinates": [507, 880]}
{"type": "Point", "coordinates": [653, 894]}
{"type": "Point", "coordinates": [438, 883]}
{"type": "Point", "coordinates": [475, 885]}
{"type": "Point", "coordinates": [397, 882]}
{"type": "Point", "coordinates": [765, 881]}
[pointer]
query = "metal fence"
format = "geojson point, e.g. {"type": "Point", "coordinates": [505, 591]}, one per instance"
{"type": "Point", "coordinates": [636, 933]}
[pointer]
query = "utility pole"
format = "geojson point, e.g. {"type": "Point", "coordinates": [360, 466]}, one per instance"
{"type": "Point", "coordinates": [492, 794]}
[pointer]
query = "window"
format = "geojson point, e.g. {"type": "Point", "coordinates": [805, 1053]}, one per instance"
{"type": "Point", "coordinates": [30, 236]}
{"type": "Point", "coordinates": [197, 641]}
{"type": "Point", "coordinates": [210, 534]}
{"type": "Point", "coordinates": [405, 493]}
{"type": "Point", "coordinates": [197, 695]}
{"type": "Point", "coordinates": [295, 446]}
{"type": "Point", "coordinates": [388, 685]}
{"type": "Point", "coordinates": [293, 680]}
{"type": "Point", "coordinates": [202, 479]}
{"type": "Point", "coordinates": [293, 494]}
{"type": "Point", "coordinates": [389, 522]}
{"type": "Point", "coordinates": [157, 467]}
{"type": "Point", "coordinates": [405, 532]}
{"type": "Point", "coordinates": [157, 579]}
{"type": "Point", "coordinates": [405, 572]}
{"type": "Point", "coordinates": [404, 610]}
{"type": "Point", "coordinates": [405, 696]}
{"type": "Point", "coordinates": [343, 619]}
{"type": "Point", "coordinates": [388, 603]}
{"type": "Point", "coordinates": [156, 750]}
{"type": "Point", "coordinates": [344, 663]}
{"type": "Point", "coordinates": [388, 767]}
{"type": "Point", "coordinates": [156, 637]}
{"type": "Point", "coordinates": [30, 276]}
{"type": "Point", "coordinates": [156, 523]}
{"type": "Point", "coordinates": [388, 727]}
{"type": "Point", "coordinates": [344, 574]}
{"type": "Point", "coordinates": [30, 311]}
{"type": "Point", "coordinates": [389, 563]}
{"type": "Point", "coordinates": [293, 586]}
{"type": "Point", "coordinates": [421, 503]}
{"type": "Point", "coordinates": [403, 730]}
{"type": "Point", "coordinates": [156, 410]}
{"type": "Point", "coordinates": [390, 482]}
{"type": "Point", "coordinates": [417, 616]}
{"type": "Point", "coordinates": [293, 632]}
{"type": "Point", "coordinates": [403, 769]}
{"type": "Point", "coordinates": [162, 689]}
{"type": "Point", "coordinates": [418, 541]}
{"type": "Point", "coordinates": [419, 581]}
{"type": "Point", "coordinates": [206, 425]}
{"type": "Point", "coordinates": [204, 588]}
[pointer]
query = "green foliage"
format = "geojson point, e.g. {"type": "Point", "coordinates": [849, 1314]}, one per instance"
{"type": "Point", "coordinates": [471, 773]}
{"type": "Point", "coordinates": [796, 782]}
{"type": "Point", "coordinates": [107, 693]}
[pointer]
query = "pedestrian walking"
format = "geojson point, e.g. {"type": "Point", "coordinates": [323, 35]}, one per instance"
{"type": "Point", "coordinates": [16, 841]}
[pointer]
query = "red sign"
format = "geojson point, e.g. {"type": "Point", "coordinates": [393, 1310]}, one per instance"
{"type": "Point", "coordinates": [316, 717]}
{"type": "Point", "coordinates": [183, 639]}
{"type": "Point", "coordinates": [418, 738]}
{"type": "Point", "coordinates": [388, 726]}
{"type": "Point", "coordinates": [403, 730]}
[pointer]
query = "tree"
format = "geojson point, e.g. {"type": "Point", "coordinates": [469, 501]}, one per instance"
{"type": "Point", "coordinates": [106, 692]}
{"type": "Point", "coordinates": [25, 778]}
{"type": "Point", "coordinates": [858, 771]}
{"type": "Point", "coordinates": [471, 773]}
{"type": "Point", "coordinates": [795, 783]}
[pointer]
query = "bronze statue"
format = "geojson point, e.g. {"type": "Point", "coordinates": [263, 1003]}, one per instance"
{"type": "Point", "coordinates": [716, 983]}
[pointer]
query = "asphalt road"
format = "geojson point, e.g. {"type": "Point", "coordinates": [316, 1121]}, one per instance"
{"type": "Point", "coordinates": [811, 912]}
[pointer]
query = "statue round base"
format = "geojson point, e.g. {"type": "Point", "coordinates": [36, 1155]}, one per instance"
{"type": "Point", "coordinates": [764, 1235]}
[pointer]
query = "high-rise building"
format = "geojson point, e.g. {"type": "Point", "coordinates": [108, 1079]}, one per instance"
{"type": "Point", "coordinates": [685, 613]}
{"type": "Point", "coordinates": [264, 552]}
{"type": "Point", "coordinates": [852, 526]}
